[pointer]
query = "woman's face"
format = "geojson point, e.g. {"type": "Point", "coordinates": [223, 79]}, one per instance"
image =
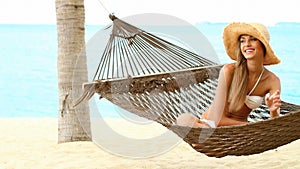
{"type": "Point", "coordinates": [251, 47]}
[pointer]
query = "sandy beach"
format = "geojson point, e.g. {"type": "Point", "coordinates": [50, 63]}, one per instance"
{"type": "Point", "coordinates": [31, 143]}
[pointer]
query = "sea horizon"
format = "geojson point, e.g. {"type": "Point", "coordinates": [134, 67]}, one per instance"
{"type": "Point", "coordinates": [29, 72]}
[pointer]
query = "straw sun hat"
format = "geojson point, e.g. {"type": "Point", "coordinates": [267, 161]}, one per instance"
{"type": "Point", "coordinates": [233, 31]}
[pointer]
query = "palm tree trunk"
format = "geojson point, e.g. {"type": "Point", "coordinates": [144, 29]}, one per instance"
{"type": "Point", "coordinates": [73, 123]}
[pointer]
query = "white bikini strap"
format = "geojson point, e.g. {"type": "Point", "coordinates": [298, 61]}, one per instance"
{"type": "Point", "coordinates": [257, 81]}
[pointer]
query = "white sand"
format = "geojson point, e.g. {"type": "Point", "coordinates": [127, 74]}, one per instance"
{"type": "Point", "coordinates": [32, 144]}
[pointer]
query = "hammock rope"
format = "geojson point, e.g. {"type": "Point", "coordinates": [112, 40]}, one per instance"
{"type": "Point", "coordinates": [155, 79]}
{"type": "Point", "coordinates": [131, 51]}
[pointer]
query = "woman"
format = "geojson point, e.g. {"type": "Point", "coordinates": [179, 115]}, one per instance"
{"type": "Point", "coordinates": [243, 85]}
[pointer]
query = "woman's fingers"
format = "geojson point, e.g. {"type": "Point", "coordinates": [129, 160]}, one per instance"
{"type": "Point", "coordinates": [273, 101]}
{"type": "Point", "coordinates": [275, 97]}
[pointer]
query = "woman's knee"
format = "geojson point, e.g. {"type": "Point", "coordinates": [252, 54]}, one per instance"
{"type": "Point", "coordinates": [187, 119]}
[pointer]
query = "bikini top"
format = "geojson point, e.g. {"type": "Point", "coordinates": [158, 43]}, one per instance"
{"type": "Point", "coordinates": [254, 102]}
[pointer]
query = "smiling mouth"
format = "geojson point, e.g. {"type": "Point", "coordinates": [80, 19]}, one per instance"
{"type": "Point", "coordinates": [249, 50]}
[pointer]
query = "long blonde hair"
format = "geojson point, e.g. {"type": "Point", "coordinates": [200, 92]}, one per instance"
{"type": "Point", "coordinates": [239, 84]}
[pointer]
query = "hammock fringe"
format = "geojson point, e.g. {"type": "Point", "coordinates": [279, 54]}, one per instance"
{"type": "Point", "coordinates": [89, 89]}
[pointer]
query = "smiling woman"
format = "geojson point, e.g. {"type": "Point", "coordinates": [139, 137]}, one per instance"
{"type": "Point", "coordinates": [248, 46]}
{"type": "Point", "coordinates": [242, 85]}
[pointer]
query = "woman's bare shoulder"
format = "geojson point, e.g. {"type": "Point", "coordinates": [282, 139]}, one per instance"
{"type": "Point", "coordinates": [272, 76]}
{"type": "Point", "coordinates": [229, 68]}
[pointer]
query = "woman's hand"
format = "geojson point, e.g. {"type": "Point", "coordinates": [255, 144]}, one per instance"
{"type": "Point", "coordinates": [274, 103]}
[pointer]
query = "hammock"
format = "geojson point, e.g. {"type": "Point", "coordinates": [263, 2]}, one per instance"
{"type": "Point", "coordinates": [155, 79]}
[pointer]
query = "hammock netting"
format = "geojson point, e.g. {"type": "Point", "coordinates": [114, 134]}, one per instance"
{"type": "Point", "coordinates": [155, 79]}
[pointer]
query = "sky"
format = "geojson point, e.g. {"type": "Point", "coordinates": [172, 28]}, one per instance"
{"type": "Point", "coordinates": [192, 11]}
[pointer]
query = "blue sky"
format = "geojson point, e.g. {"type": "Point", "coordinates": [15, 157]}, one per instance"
{"type": "Point", "coordinates": [268, 12]}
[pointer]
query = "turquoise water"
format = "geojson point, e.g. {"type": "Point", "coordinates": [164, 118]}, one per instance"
{"type": "Point", "coordinates": [28, 74]}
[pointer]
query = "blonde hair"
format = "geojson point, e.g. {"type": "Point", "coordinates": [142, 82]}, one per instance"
{"type": "Point", "coordinates": [238, 87]}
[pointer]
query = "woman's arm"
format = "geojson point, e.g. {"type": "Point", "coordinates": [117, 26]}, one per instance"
{"type": "Point", "coordinates": [216, 111]}
{"type": "Point", "coordinates": [273, 101]}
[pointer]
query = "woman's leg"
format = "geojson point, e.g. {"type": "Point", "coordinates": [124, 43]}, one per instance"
{"type": "Point", "coordinates": [188, 119]}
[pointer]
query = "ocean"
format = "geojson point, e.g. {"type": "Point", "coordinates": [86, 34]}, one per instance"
{"type": "Point", "coordinates": [28, 72]}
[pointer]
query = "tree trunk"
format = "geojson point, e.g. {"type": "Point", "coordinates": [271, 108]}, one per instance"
{"type": "Point", "coordinates": [73, 123]}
